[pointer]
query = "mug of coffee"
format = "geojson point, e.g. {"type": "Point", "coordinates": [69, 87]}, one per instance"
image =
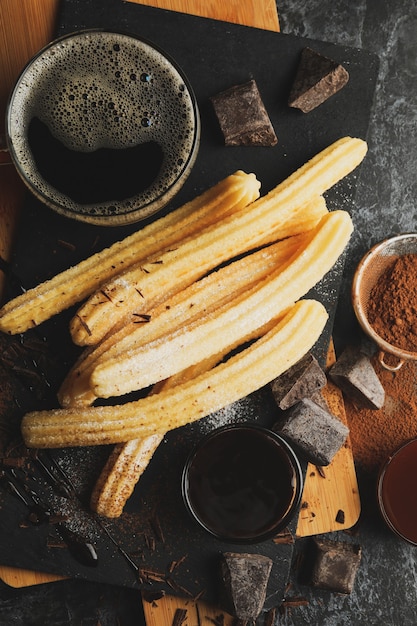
{"type": "Point", "coordinates": [103, 127]}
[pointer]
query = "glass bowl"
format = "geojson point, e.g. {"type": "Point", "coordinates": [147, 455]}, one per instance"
{"type": "Point", "coordinates": [242, 483]}
{"type": "Point", "coordinates": [103, 127]}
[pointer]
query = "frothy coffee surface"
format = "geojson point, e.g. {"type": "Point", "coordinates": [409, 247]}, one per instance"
{"type": "Point", "coordinates": [98, 91]}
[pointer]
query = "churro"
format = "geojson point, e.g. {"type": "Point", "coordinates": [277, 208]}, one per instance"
{"type": "Point", "coordinates": [142, 288]}
{"type": "Point", "coordinates": [201, 298]}
{"type": "Point", "coordinates": [122, 471]}
{"type": "Point", "coordinates": [76, 283]}
{"type": "Point", "coordinates": [242, 374]}
{"type": "Point", "coordinates": [140, 367]}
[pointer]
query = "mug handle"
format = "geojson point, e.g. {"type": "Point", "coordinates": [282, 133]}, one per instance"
{"type": "Point", "coordinates": [390, 368]}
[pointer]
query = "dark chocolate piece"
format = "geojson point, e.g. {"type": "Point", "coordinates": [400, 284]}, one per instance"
{"type": "Point", "coordinates": [317, 79]}
{"type": "Point", "coordinates": [355, 375]}
{"type": "Point", "coordinates": [245, 577]}
{"type": "Point", "coordinates": [180, 617]}
{"type": "Point", "coordinates": [316, 432]}
{"type": "Point", "coordinates": [335, 565]}
{"type": "Point", "coordinates": [242, 116]}
{"type": "Point", "coordinates": [302, 380]}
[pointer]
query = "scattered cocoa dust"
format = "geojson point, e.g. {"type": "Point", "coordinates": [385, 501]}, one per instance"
{"type": "Point", "coordinates": [375, 434]}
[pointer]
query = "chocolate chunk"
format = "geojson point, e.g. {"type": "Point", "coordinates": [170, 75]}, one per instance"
{"type": "Point", "coordinates": [355, 375]}
{"type": "Point", "coordinates": [180, 617]}
{"type": "Point", "coordinates": [242, 116]}
{"type": "Point", "coordinates": [316, 432]}
{"type": "Point", "coordinates": [302, 380]}
{"type": "Point", "coordinates": [335, 565]}
{"type": "Point", "coordinates": [245, 577]}
{"type": "Point", "coordinates": [317, 79]}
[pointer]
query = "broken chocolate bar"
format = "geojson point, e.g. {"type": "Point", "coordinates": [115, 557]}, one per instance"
{"type": "Point", "coordinates": [316, 432]}
{"type": "Point", "coordinates": [302, 380]}
{"type": "Point", "coordinates": [355, 375]}
{"type": "Point", "coordinates": [242, 116]}
{"type": "Point", "coordinates": [335, 564]}
{"type": "Point", "coordinates": [317, 79]}
{"type": "Point", "coordinates": [245, 577]}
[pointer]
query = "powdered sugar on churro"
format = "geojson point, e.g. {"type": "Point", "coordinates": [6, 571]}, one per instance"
{"type": "Point", "coordinates": [244, 410]}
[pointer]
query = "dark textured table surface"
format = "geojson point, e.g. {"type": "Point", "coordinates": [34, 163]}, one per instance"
{"type": "Point", "coordinates": [385, 592]}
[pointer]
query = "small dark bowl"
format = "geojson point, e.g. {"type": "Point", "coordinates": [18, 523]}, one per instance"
{"type": "Point", "coordinates": [397, 492]}
{"type": "Point", "coordinates": [242, 483]}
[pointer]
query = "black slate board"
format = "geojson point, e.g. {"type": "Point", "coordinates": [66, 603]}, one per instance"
{"type": "Point", "coordinates": [214, 55]}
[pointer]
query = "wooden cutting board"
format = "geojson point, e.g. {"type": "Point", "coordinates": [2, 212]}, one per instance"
{"type": "Point", "coordinates": [328, 496]}
{"type": "Point", "coordinates": [24, 28]}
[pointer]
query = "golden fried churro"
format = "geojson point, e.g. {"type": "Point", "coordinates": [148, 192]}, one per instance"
{"type": "Point", "coordinates": [201, 298]}
{"type": "Point", "coordinates": [239, 376]}
{"type": "Point", "coordinates": [122, 471]}
{"type": "Point", "coordinates": [140, 289]}
{"type": "Point", "coordinates": [140, 367]}
{"type": "Point", "coordinates": [145, 286]}
{"type": "Point", "coordinates": [73, 285]}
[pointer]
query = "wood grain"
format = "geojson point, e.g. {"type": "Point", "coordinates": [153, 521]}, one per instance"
{"type": "Point", "coordinates": [27, 25]}
{"type": "Point", "coordinates": [18, 578]}
{"type": "Point", "coordinates": [257, 13]}
{"type": "Point", "coordinates": [330, 498]}
{"type": "Point", "coordinates": [162, 612]}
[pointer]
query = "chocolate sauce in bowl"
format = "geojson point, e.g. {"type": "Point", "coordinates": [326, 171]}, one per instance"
{"type": "Point", "coordinates": [242, 483]}
{"type": "Point", "coordinates": [397, 492]}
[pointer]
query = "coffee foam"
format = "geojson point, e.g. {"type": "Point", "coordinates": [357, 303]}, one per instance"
{"type": "Point", "coordinates": [97, 89]}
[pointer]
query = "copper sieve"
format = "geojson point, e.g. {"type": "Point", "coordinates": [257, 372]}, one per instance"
{"type": "Point", "coordinates": [370, 268]}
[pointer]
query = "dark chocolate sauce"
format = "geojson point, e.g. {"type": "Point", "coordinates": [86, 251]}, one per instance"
{"type": "Point", "coordinates": [98, 176]}
{"type": "Point", "coordinates": [398, 492]}
{"type": "Point", "coordinates": [241, 483]}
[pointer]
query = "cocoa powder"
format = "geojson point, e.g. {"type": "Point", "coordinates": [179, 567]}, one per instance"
{"type": "Point", "coordinates": [392, 307]}
{"type": "Point", "coordinates": [392, 312]}
{"type": "Point", "coordinates": [375, 434]}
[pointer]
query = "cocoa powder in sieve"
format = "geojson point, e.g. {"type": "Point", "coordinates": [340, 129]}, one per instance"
{"type": "Point", "coordinates": [392, 307]}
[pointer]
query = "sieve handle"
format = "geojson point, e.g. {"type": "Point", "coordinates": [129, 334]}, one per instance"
{"type": "Point", "coordinates": [391, 368]}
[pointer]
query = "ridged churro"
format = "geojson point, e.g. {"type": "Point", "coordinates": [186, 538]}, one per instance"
{"type": "Point", "coordinates": [122, 471]}
{"type": "Point", "coordinates": [140, 367]}
{"type": "Point", "coordinates": [140, 289]}
{"type": "Point", "coordinates": [239, 376]}
{"type": "Point", "coordinates": [201, 298]}
{"type": "Point", "coordinates": [76, 283]}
